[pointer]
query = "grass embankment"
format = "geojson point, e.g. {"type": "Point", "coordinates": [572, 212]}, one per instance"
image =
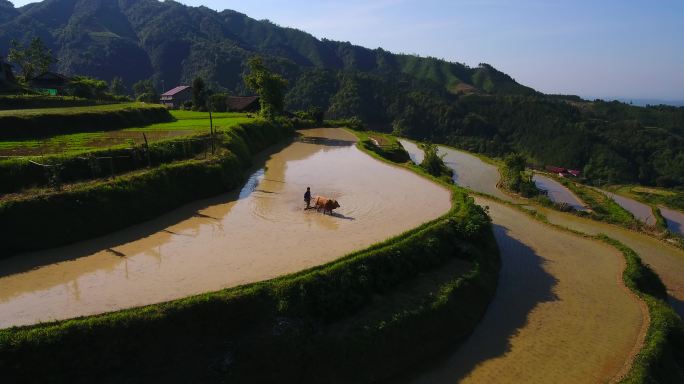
{"type": "Point", "coordinates": [38, 221]}
{"type": "Point", "coordinates": [359, 319]}
{"type": "Point", "coordinates": [42, 101]}
{"type": "Point", "coordinates": [653, 196]}
{"type": "Point", "coordinates": [385, 146]}
{"type": "Point", "coordinates": [80, 161]}
{"type": "Point", "coordinates": [661, 358]}
{"type": "Point", "coordinates": [603, 207]}
{"type": "Point", "coordinates": [35, 123]}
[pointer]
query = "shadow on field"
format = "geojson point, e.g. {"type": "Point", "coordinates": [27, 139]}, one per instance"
{"type": "Point", "coordinates": [677, 305]}
{"type": "Point", "coordinates": [33, 260]}
{"type": "Point", "coordinates": [523, 284]}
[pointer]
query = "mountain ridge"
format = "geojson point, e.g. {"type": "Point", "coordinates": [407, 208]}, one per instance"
{"type": "Point", "coordinates": [172, 42]}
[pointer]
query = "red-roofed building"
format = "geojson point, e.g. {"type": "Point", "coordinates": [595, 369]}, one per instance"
{"type": "Point", "coordinates": [176, 97]}
{"type": "Point", "coordinates": [552, 169]}
{"type": "Point", "coordinates": [574, 172]}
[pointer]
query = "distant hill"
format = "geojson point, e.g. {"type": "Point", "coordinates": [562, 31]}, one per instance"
{"type": "Point", "coordinates": [171, 42]}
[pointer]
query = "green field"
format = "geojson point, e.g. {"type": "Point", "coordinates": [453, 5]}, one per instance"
{"type": "Point", "coordinates": [187, 123]}
{"type": "Point", "coordinates": [74, 110]}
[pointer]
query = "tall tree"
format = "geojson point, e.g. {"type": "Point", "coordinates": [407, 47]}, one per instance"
{"type": "Point", "coordinates": [270, 87]}
{"type": "Point", "coordinates": [116, 86]}
{"type": "Point", "coordinates": [144, 91]}
{"type": "Point", "coordinates": [32, 60]}
{"type": "Point", "coordinates": [199, 94]}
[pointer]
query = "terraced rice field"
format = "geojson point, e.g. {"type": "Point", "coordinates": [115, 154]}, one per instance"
{"type": "Point", "coordinates": [561, 312]}
{"type": "Point", "coordinates": [252, 234]}
{"type": "Point", "coordinates": [187, 123]}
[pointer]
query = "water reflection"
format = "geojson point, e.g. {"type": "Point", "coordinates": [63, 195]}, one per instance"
{"type": "Point", "coordinates": [675, 220]}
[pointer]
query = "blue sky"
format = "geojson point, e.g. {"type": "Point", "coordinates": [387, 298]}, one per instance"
{"type": "Point", "coordinates": [594, 48]}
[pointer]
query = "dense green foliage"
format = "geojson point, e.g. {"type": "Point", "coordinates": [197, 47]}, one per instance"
{"type": "Point", "coordinates": [35, 123]}
{"type": "Point", "coordinates": [433, 163]}
{"type": "Point", "coordinates": [268, 85]}
{"type": "Point", "coordinates": [341, 320]}
{"type": "Point", "coordinates": [33, 59]}
{"type": "Point", "coordinates": [661, 358]}
{"type": "Point", "coordinates": [516, 178]}
{"type": "Point", "coordinates": [91, 209]}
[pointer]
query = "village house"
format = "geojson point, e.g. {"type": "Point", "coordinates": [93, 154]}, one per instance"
{"type": "Point", "coordinates": [563, 172]}
{"type": "Point", "coordinates": [50, 83]}
{"type": "Point", "coordinates": [243, 104]}
{"type": "Point", "coordinates": [176, 97]}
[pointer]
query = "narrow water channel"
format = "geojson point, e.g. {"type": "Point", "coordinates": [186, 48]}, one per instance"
{"type": "Point", "coordinates": [675, 220]}
{"type": "Point", "coordinates": [558, 193]}
{"type": "Point", "coordinates": [641, 211]}
{"type": "Point", "coordinates": [252, 234]}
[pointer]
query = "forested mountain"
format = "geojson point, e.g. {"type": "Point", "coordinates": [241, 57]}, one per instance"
{"type": "Point", "coordinates": [138, 39]}
{"type": "Point", "coordinates": [481, 108]}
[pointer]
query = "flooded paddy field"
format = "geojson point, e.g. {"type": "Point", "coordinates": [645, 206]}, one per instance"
{"type": "Point", "coordinates": [558, 193]}
{"type": "Point", "coordinates": [666, 260]}
{"type": "Point", "coordinates": [641, 211]}
{"type": "Point", "coordinates": [469, 171]}
{"type": "Point", "coordinates": [256, 233]}
{"type": "Point", "coordinates": [674, 219]}
{"type": "Point", "coordinates": [560, 314]}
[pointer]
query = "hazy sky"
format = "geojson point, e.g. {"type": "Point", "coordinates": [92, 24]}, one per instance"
{"type": "Point", "coordinates": [594, 48]}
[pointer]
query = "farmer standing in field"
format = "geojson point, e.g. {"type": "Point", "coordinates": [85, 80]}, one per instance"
{"type": "Point", "coordinates": [307, 197]}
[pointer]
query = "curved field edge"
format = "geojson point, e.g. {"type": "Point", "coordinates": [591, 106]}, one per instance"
{"type": "Point", "coordinates": [661, 356]}
{"type": "Point", "coordinates": [290, 324]}
{"type": "Point", "coordinates": [86, 210]}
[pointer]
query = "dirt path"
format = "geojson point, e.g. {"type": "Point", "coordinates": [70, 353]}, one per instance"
{"type": "Point", "coordinates": [256, 233]}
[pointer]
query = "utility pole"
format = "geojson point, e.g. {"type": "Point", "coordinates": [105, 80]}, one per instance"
{"type": "Point", "coordinates": [211, 127]}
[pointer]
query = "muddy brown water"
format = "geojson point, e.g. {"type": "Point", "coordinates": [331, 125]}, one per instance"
{"type": "Point", "coordinates": [641, 211]}
{"type": "Point", "coordinates": [256, 233]}
{"type": "Point", "coordinates": [666, 260]}
{"type": "Point", "coordinates": [675, 220]}
{"type": "Point", "coordinates": [557, 192]}
{"type": "Point", "coordinates": [560, 313]}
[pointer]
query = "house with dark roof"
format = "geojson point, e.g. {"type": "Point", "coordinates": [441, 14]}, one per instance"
{"type": "Point", "coordinates": [50, 83]}
{"type": "Point", "coordinates": [243, 104]}
{"type": "Point", "coordinates": [176, 97]}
